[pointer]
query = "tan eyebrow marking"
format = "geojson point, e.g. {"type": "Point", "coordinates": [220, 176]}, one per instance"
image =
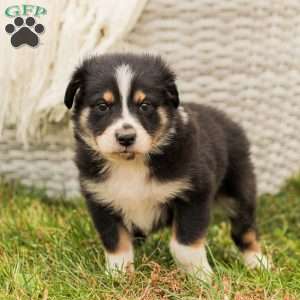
{"type": "Point", "coordinates": [139, 96]}
{"type": "Point", "coordinates": [108, 97]}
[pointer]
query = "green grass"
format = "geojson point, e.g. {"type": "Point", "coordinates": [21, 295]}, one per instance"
{"type": "Point", "coordinates": [51, 251]}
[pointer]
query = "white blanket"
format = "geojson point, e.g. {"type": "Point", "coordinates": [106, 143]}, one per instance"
{"type": "Point", "coordinates": [33, 80]}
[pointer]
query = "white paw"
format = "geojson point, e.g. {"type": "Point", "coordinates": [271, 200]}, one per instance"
{"type": "Point", "coordinates": [203, 273]}
{"type": "Point", "coordinates": [255, 260]}
{"type": "Point", "coordinates": [121, 262]}
{"type": "Point", "coordinates": [192, 260]}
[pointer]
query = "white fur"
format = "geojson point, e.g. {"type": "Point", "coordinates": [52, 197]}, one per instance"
{"type": "Point", "coordinates": [130, 191]}
{"type": "Point", "coordinates": [167, 135]}
{"type": "Point", "coordinates": [193, 260]}
{"type": "Point", "coordinates": [253, 259]}
{"type": "Point", "coordinates": [121, 261]}
{"type": "Point", "coordinates": [183, 114]}
{"type": "Point", "coordinates": [107, 142]}
{"type": "Point", "coordinates": [124, 76]}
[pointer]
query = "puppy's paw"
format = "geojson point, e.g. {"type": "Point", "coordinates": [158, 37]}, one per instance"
{"type": "Point", "coordinates": [192, 259]}
{"type": "Point", "coordinates": [119, 263]}
{"type": "Point", "coordinates": [203, 273]}
{"type": "Point", "coordinates": [255, 260]}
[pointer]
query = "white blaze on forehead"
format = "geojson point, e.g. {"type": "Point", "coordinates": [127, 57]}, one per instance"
{"type": "Point", "coordinates": [107, 142]}
{"type": "Point", "coordinates": [124, 76]}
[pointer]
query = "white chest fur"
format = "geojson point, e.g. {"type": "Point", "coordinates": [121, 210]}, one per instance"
{"type": "Point", "coordinates": [138, 198]}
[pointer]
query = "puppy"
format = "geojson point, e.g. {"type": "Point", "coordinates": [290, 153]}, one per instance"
{"type": "Point", "coordinates": [145, 161]}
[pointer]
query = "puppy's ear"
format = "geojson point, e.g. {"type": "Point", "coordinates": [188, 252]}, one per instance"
{"type": "Point", "coordinates": [74, 85]}
{"type": "Point", "coordinates": [172, 94]}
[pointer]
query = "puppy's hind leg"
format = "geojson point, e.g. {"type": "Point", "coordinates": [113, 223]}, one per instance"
{"type": "Point", "coordinates": [240, 185]}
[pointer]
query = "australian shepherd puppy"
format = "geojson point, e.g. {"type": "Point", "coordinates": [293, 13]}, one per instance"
{"type": "Point", "coordinates": [147, 161]}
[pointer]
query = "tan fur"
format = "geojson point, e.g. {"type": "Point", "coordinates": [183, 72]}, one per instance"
{"type": "Point", "coordinates": [108, 97]}
{"type": "Point", "coordinates": [107, 145]}
{"type": "Point", "coordinates": [199, 243]}
{"type": "Point", "coordinates": [139, 96]}
{"type": "Point", "coordinates": [122, 258]}
{"type": "Point", "coordinates": [162, 136]}
{"type": "Point", "coordinates": [250, 239]}
{"type": "Point", "coordinates": [124, 242]}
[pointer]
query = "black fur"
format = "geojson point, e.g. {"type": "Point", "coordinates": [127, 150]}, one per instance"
{"type": "Point", "coordinates": [210, 150]}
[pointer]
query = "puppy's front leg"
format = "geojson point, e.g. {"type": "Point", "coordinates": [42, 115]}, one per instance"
{"type": "Point", "coordinates": [190, 224]}
{"type": "Point", "coordinates": [115, 238]}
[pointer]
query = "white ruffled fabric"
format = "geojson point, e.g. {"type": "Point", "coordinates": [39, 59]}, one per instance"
{"type": "Point", "coordinates": [33, 80]}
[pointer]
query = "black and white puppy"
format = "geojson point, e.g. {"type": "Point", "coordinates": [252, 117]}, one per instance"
{"type": "Point", "coordinates": [146, 161]}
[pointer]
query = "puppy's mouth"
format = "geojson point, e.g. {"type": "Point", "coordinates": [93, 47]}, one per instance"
{"type": "Point", "coordinates": [126, 153]}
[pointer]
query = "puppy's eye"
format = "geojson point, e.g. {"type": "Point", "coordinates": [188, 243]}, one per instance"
{"type": "Point", "coordinates": [102, 107]}
{"type": "Point", "coordinates": [146, 107]}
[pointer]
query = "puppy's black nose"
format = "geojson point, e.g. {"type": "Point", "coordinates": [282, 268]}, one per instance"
{"type": "Point", "coordinates": [126, 138]}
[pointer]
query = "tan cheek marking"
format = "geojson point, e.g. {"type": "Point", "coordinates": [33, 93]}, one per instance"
{"type": "Point", "coordinates": [108, 97]}
{"type": "Point", "coordinates": [124, 243]}
{"type": "Point", "coordinates": [139, 96]}
{"type": "Point", "coordinates": [162, 128]}
{"type": "Point", "coordinates": [250, 239]}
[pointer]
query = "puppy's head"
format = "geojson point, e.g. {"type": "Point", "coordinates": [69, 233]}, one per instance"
{"type": "Point", "coordinates": [124, 105]}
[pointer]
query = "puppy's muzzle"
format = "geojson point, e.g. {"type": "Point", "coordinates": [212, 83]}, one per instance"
{"type": "Point", "coordinates": [126, 136]}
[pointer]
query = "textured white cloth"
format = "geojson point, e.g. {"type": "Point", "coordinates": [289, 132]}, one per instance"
{"type": "Point", "coordinates": [33, 80]}
{"type": "Point", "coordinates": [242, 56]}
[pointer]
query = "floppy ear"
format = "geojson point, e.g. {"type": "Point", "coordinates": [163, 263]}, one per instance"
{"type": "Point", "coordinates": [172, 94]}
{"type": "Point", "coordinates": [74, 85]}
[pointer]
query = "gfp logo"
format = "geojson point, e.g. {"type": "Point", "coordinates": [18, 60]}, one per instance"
{"type": "Point", "coordinates": [25, 30]}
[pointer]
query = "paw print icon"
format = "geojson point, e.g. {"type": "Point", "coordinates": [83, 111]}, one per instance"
{"type": "Point", "coordinates": [24, 33]}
